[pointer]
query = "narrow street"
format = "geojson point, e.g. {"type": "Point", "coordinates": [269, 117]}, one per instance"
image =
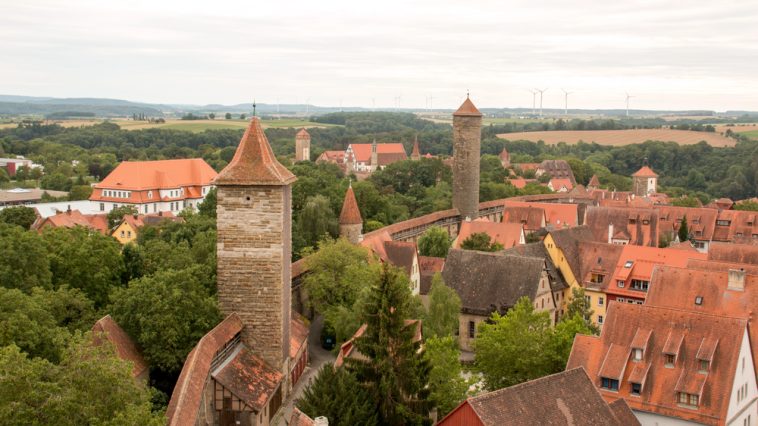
{"type": "Point", "coordinates": [318, 357]}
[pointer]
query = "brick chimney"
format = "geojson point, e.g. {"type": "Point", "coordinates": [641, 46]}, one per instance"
{"type": "Point", "coordinates": [736, 280]}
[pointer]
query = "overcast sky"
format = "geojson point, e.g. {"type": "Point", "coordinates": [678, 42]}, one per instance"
{"type": "Point", "coordinates": [667, 54]}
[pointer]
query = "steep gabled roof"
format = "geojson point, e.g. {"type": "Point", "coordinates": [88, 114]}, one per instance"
{"type": "Point", "coordinates": [644, 171]}
{"type": "Point", "coordinates": [125, 347]}
{"type": "Point", "coordinates": [566, 398]}
{"type": "Point", "coordinates": [689, 331]}
{"type": "Point", "coordinates": [300, 419]}
{"type": "Point", "coordinates": [350, 214]}
{"type": "Point", "coordinates": [505, 233]}
{"type": "Point", "coordinates": [558, 215]}
{"type": "Point", "coordinates": [488, 282]}
{"type": "Point", "coordinates": [401, 254]}
{"type": "Point", "coordinates": [188, 391]}
{"type": "Point", "coordinates": [248, 377]}
{"type": "Point", "coordinates": [737, 253]}
{"type": "Point", "coordinates": [254, 162]}
{"type": "Point", "coordinates": [393, 151]}
{"type": "Point", "coordinates": [467, 109]}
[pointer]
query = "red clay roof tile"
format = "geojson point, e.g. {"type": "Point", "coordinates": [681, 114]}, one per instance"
{"type": "Point", "coordinates": [467, 109]}
{"type": "Point", "coordinates": [254, 162]}
{"type": "Point", "coordinates": [351, 214]}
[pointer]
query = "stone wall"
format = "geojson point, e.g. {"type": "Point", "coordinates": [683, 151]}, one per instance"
{"type": "Point", "coordinates": [467, 131]}
{"type": "Point", "coordinates": [351, 232]}
{"type": "Point", "coordinates": [254, 248]}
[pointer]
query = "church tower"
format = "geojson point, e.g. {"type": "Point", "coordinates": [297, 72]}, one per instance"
{"type": "Point", "coordinates": [467, 134]}
{"type": "Point", "coordinates": [303, 145]}
{"type": "Point", "coordinates": [374, 157]}
{"type": "Point", "coordinates": [254, 233]}
{"type": "Point", "coordinates": [351, 223]}
{"type": "Point", "coordinates": [644, 181]}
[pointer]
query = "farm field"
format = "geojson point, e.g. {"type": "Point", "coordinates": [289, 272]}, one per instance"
{"type": "Point", "coordinates": [752, 134]}
{"type": "Point", "coordinates": [188, 125]}
{"type": "Point", "coordinates": [622, 137]}
{"type": "Point", "coordinates": [736, 128]}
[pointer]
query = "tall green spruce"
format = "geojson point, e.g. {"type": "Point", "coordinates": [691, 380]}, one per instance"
{"type": "Point", "coordinates": [684, 232]}
{"type": "Point", "coordinates": [394, 370]}
{"type": "Point", "coordinates": [335, 394]}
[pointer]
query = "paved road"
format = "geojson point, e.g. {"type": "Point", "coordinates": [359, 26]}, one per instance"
{"type": "Point", "coordinates": [318, 357]}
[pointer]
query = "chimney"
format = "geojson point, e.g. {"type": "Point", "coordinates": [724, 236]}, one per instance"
{"type": "Point", "coordinates": [321, 421]}
{"type": "Point", "coordinates": [610, 233]}
{"type": "Point", "coordinates": [736, 280]}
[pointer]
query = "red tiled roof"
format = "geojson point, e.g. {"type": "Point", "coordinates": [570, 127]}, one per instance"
{"type": "Point", "coordinates": [430, 265]}
{"type": "Point", "coordinates": [738, 253]}
{"type": "Point", "coordinates": [594, 182]}
{"type": "Point", "coordinates": [72, 218]}
{"type": "Point", "coordinates": [303, 134]}
{"type": "Point", "coordinates": [520, 182]}
{"type": "Point", "coordinates": [715, 265]}
{"type": "Point", "coordinates": [332, 156]}
{"type": "Point", "coordinates": [507, 234]}
{"type": "Point", "coordinates": [566, 398]}
{"type": "Point", "coordinates": [254, 162]}
{"type": "Point", "coordinates": [401, 254]}
{"type": "Point", "coordinates": [159, 174]}
{"type": "Point", "coordinates": [658, 395]}
{"type": "Point", "coordinates": [531, 217]}
{"type": "Point", "coordinates": [644, 171]}
{"type": "Point", "coordinates": [188, 391]}
{"type": "Point", "coordinates": [558, 184]}
{"type": "Point", "coordinates": [387, 151]}
{"type": "Point", "coordinates": [351, 214]}
{"type": "Point", "coordinates": [125, 347]}
{"type": "Point", "coordinates": [299, 418]}
{"type": "Point", "coordinates": [556, 214]}
{"type": "Point", "coordinates": [467, 109]}
{"type": "Point", "coordinates": [249, 378]}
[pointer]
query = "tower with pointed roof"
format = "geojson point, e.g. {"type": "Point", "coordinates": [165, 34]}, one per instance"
{"type": "Point", "coordinates": [303, 145]}
{"type": "Point", "coordinates": [416, 153]}
{"type": "Point", "coordinates": [351, 223]}
{"type": "Point", "coordinates": [467, 131]}
{"type": "Point", "coordinates": [254, 247]}
{"type": "Point", "coordinates": [594, 183]}
{"type": "Point", "coordinates": [644, 181]}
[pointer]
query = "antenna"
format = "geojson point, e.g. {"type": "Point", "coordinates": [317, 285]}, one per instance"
{"type": "Point", "coordinates": [253, 107]}
{"type": "Point", "coordinates": [566, 102]}
{"type": "Point", "coordinates": [628, 96]}
{"type": "Point", "coordinates": [542, 92]}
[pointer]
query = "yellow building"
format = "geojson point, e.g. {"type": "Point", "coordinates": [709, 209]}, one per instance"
{"type": "Point", "coordinates": [126, 231]}
{"type": "Point", "coordinates": [563, 247]}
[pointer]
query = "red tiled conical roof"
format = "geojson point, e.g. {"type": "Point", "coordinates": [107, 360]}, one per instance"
{"type": "Point", "coordinates": [303, 133]}
{"type": "Point", "coordinates": [467, 109]}
{"type": "Point", "coordinates": [415, 153]}
{"type": "Point", "coordinates": [594, 181]}
{"type": "Point", "coordinates": [350, 215]}
{"type": "Point", "coordinates": [504, 154]}
{"type": "Point", "coordinates": [645, 171]}
{"type": "Point", "coordinates": [254, 163]}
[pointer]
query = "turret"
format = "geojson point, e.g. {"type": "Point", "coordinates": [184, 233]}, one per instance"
{"type": "Point", "coordinates": [303, 145]}
{"type": "Point", "coordinates": [351, 223]}
{"type": "Point", "coordinates": [467, 133]}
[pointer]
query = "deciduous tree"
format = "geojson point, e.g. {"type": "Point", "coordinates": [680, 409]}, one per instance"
{"type": "Point", "coordinates": [434, 242]}
{"type": "Point", "coordinates": [441, 318]}
{"type": "Point", "coordinates": [23, 263]}
{"type": "Point", "coordinates": [20, 215]}
{"type": "Point", "coordinates": [447, 385]}
{"type": "Point", "coordinates": [481, 241]}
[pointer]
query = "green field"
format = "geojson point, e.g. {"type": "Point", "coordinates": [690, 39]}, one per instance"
{"type": "Point", "coordinates": [202, 125]}
{"type": "Point", "coordinates": [752, 134]}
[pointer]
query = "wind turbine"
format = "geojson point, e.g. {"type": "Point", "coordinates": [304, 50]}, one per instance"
{"type": "Point", "coordinates": [534, 100]}
{"type": "Point", "coordinates": [628, 96]}
{"type": "Point", "coordinates": [542, 92]}
{"type": "Point", "coordinates": [566, 101]}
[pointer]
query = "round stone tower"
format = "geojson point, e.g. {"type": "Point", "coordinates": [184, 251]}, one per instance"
{"type": "Point", "coordinates": [303, 145]}
{"type": "Point", "coordinates": [467, 134]}
{"type": "Point", "coordinates": [351, 223]}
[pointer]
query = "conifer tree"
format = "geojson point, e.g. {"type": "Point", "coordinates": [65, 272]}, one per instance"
{"type": "Point", "coordinates": [337, 395]}
{"type": "Point", "coordinates": [393, 368]}
{"type": "Point", "coordinates": [684, 232]}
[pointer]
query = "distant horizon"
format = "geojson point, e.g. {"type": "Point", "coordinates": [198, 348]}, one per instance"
{"type": "Point", "coordinates": [668, 57]}
{"type": "Point", "coordinates": [369, 108]}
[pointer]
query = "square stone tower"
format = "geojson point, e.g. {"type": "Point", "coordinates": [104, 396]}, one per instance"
{"type": "Point", "coordinates": [644, 181]}
{"type": "Point", "coordinates": [254, 245]}
{"type": "Point", "coordinates": [467, 139]}
{"type": "Point", "coordinates": [303, 145]}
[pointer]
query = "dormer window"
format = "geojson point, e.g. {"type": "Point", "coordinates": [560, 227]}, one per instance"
{"type": "Point", "coordinates": [620, 283]}
{"type": "Point", "coordinates": [669, 360]}
{"type": "Point", "coordinates": [703, 365]}
{"type": "Point", "coordinates": [597, 278]}
{"type": "Point", "coordinates": [636, 389]}
{"type": "Point", "coordinates": [688, 399]}
{"type": "Point", "coordinates": [646, 222]}
{"type": "Point", "coordinates": [150, 194]}
{"type": "Point", "coordinates": [609, 384]}
{"type": "Point", "coordinates": [723, 222]}
{"type": "Point", "coordinates": [637, 354]}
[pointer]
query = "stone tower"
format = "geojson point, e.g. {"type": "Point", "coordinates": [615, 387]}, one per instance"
{"type": "Point", "coordinates": [374, 156]}
{"type": "Point", "coordinates": [254, 233]}
{"type": "Point", "coordinates": [416, 153]}
{"type": "Point", "coordinates": [467, 134]}
{"type": "Point", "coordinates": [505, 158]}
{"type": "Point", "coordinates": [644, 181]}
{"type": "Point", "coordinates": [351, 224]}
{"type": "Point", "coordinates": [303, 145]}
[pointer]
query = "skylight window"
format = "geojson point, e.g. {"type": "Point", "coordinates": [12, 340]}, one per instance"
{"type": "Point", "coordinates": [698, 300]}
{"type": "Point", "coordinates": [628, 264]}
